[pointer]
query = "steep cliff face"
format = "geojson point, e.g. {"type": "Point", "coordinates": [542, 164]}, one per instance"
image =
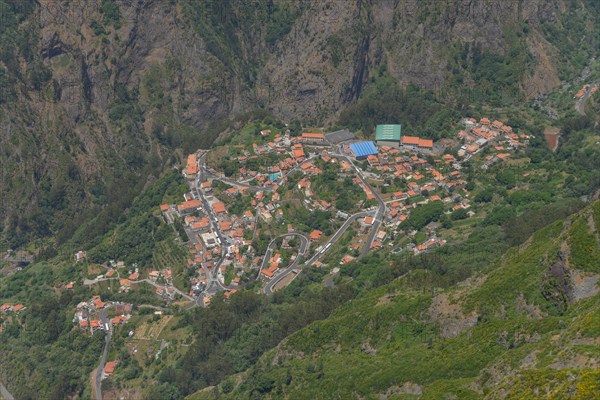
{"type": "Point", "coordinates": [332, 49]}
{"type": "Point", "coordinates": [94, 121]}
{"type": "Point", "coordinates": [100, 91]}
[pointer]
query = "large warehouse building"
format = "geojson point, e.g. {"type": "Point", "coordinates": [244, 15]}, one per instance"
{"type": "Point", "coordinates": [416, 143]}
{"type": "Point", "coordinates": [388, 135]}
{"type": "Point", "coordinates": [362, 150]}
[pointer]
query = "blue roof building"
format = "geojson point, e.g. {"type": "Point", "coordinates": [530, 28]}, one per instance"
{"type": "Point", "coordinates": [363, 149]}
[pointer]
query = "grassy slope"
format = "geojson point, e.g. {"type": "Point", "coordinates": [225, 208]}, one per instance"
{"type": "Point", "coordinates": [44, 335]}
{"type": "Point", "coordinates": [389, 337]}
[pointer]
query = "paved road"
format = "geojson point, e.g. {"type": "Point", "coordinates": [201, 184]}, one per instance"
{"type": "Point", "coordinates": [580, 104]}
{"type": "Point", "coordinates": [336, 236]}
{"type": "Point", "coordinates": [107, 338]}
{"type": "Point", "coordinates": [18, 260]}
{"type": "Point", "coordinates": [304, 245]}
{"type": "Point", "coordinates": [152, 306]}
{"type": "Point", "coordinates": [381, 204]}
{"type": "Point", "coordinates": [238, 184]}
{"type": "Point", "coordinates": [4, 393]}
{"type": "Point", "coordinates": [213, 285]}
{"type": "Point", "coordinates": [88, 282]}
{"type": "Point", "coordinates": [319, 254]}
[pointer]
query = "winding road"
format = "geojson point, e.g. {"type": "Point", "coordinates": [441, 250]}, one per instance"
{"type": "Point", "coordinates": [380, 209]}
{"type": "Point", "coordinates": [580, 104]}
{"type": "Point", "coordinates": [304, 245]}
{"type": "Point", "coordinates": [237, 184]}
{"type": "Point", "coordinates": [336, 153]}
{"type": "Point", "coordinates": [18, 260]}
{"type": "Point", "coordinates": [269, 287]}
{"type": "Point", "coordinates": [268, 188]}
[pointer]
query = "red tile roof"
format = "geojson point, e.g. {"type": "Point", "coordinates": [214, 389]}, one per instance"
{"type": "Point", "coordinates": [307, 135]}
{"type": "Point", "coordinates": [219, 207]}
{"type": "Point", "coordinates": [192, 165]}
{"type": "Point", "coordinates": [316, 234]}
{"type": "Point", "coordinates": [225, 225]}
{"type": "Point", "coordinates": [203, 223]}
{"type": "Point", "coordinates": [18, 307]}
{"type": "Point", "coordinates": [187, 205]}
{"type": "Point", "coordinates": [110, 367]}
{"type": "Point", "coordinates": [298, 153]}
{"type": "Point", "coordinates": [416, 141]}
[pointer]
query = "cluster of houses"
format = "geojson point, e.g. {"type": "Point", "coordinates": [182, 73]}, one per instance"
{"type": "Point", "coordinates": [389, 159]}
{"type": "Point", "coordinates": [425, 179]}
{"type": "Point", "coordinates": [478, 134]}
{"type": "Point", "coordinates": [8, 308]}
{"type": "Point", "coordinates": [7, 312]}
{"type": "Point", "coordinates": [266, 205]}
{"type": "Point", "coordinates": [425, 176]}
{"type": "Point", "coordinates": [163, 278]}
{"type": "Point", "coordinates": [290, 153]}
{"type": "Point", "coordinates": [206, 246]}
{"type": "Point", "coordinates": [273, 265]}
{"type": "Point", "coordinates": [584, 89]}
{"type": "Point", "coordinates": [88, 317]}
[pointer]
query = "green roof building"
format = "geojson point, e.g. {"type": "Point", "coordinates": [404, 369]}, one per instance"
{"type": "Point", "coordinates": [388, 135]}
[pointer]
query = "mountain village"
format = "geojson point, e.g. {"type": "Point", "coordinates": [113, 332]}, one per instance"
{"type": "Point", "coordinates": [225, 211]}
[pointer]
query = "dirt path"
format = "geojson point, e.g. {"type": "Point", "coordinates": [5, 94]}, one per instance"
{"type": "Point", "coordinates": [552, 135]}
{"type": "Point", "coordinates": [93, 383]}
{"type": "Point", "coordinates": [4, 394]}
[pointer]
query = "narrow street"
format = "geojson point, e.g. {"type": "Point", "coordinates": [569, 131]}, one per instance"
{"type": "Point", "coordinates": [100, 369]}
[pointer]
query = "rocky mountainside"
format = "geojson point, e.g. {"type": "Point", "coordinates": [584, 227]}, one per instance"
{"type": "Point", "coordinates": [98, 95]}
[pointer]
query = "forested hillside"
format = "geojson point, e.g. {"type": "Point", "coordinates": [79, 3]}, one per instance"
{"type": "Point", "coordinates": [528, 328]}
